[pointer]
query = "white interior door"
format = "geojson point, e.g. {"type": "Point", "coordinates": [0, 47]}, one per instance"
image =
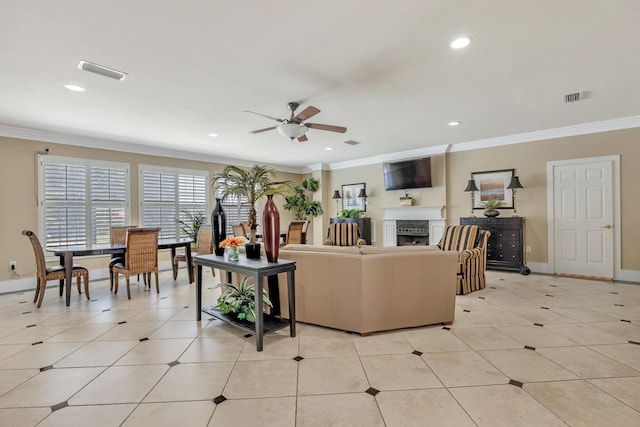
{"type": "Point", "coordinates": [583, 219]}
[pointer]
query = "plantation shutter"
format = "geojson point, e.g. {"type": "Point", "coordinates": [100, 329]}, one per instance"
{"type": "Point", "coordinates": [236, 210]}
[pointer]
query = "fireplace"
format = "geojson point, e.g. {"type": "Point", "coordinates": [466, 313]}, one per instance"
{"type": "Point", "coordinates": [412, 233]}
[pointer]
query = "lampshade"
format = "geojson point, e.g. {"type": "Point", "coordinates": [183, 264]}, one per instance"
{"type": "Point", "coordinates": [292, 130]}
{"type": "Point", "coordinates": [362, 194]}
{"type": "Point", "coordinates": [471, 186]}
{"type": "Point", "coordinates": [336, 195]}
{"type": "Point", "coordinates": [514, 183]}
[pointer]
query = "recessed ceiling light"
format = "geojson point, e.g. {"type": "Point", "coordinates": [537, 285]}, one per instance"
{"type": "Point", "coordinates": [212, 135]}
{"type": "Point", "coordinates": [328, 148]}
{"type": "Point", "coordinates": [101, 70]}
{"type": "Point", "coordinates": [455, 123]}
{"type": "Point", "coordinates": [460, 42]}
{"type": "Point", "coordinates": [75, 88]}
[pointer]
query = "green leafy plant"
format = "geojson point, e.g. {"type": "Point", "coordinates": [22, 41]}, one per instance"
{"type": "Point", "coordinates": [300, 203]}
{"type": "Point", "coordinates": [254, 184]}
{"type": "Point", "coordinates": [190, 223]}
{"type": "Point", "coordinates": [492, 204]}
{"type": "Point", "coordinates": [350, 213]}
{"type": "Point", "coordinates": [240, 300]}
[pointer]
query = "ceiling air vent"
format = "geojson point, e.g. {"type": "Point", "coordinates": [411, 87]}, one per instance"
{"type": "Point", "coordinates": [102, 70]}
{"type": "Point", "coordinates": [351, 142]}
{"type": "Point", "coordinates": [573, 97]}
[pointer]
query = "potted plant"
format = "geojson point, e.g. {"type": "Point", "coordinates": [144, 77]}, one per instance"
{"type": "Point", "coordinates": [350, 213]}
{"type": "Point", "coordinates": [253, 184]}
{"type": "Point", "coordinates": [300, 203]}
{"type": "Point", "coordinates": [491, 207]}
{"type": "Point", "coordinates": [239, 301]}
{"type": "Point", "coordinates": [190, 223]}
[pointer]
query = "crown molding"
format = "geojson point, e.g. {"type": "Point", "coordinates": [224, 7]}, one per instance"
{"type": "Point", "coordinates": [401, 155]}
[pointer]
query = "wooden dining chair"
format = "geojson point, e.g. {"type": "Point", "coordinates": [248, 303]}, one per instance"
{"type": "Point", "coordinates": [45, 274]}
{"type": "Point", "coordinates": [238, 231]}
{"type": "Point", "coordinates": [117, 235]}
{"type": "Point", "coordinates": [141, 257]}
{"type": "Point", "coordinates": [295, 232]}
{"type": "Point", "coordinates": [204, 246]}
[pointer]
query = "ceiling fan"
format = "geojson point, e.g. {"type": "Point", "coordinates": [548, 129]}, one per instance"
{"type": "Point", "coordinates": [295, 126]}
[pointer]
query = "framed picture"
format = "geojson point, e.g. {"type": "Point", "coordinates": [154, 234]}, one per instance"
{"type": "Point", "coordinates": [350, 199]}
{"type": "Point", "coordinates": [493, 185]}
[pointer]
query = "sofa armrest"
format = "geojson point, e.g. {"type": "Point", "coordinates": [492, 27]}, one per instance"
{"type": "Point", "coordinates": [467, 254]}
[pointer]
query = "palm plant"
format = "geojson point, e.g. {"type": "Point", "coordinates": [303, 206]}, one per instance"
{"type": "Point", "coordinates": [254, 184]}
{"type": "Point", "coordinates": [240, 300]}
{"type": "Point", "coordinates": [190, 223]}
{"type": "Point", "coordinates": [303, 207]}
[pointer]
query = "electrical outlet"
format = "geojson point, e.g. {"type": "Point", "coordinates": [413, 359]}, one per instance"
{"type": "Point", "coordinates": [528, 249]}
{"type": "Point", "coordinates": [12, 265]}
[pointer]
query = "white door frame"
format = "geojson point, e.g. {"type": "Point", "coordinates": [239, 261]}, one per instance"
{"type": "Point", "coordinates": [615, 162]}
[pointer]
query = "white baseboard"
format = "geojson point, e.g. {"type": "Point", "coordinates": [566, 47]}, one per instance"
{"type": "Point", "coordinates": [628, 276]}
{"type": "Point", "coordinates": [540, 267]}
{"type": "Point", "coordinates": [632, 276]}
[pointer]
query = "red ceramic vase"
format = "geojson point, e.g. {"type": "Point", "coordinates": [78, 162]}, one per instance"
{"type": "Point", "coordinates": [271, 229]}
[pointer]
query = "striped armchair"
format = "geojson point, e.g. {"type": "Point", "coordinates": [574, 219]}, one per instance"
{"type": "Point", "coordinates": [344, 234]}
{"type": "Point", "coordinates": [471, 244]}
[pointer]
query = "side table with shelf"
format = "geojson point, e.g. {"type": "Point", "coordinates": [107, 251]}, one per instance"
{"type": "Point", "coordinates": [505, 249]}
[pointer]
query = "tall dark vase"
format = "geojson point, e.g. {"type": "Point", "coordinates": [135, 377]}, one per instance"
{"type": "Point", "coordinates": [218, 227]}
{"type": "Point", "coordinates": [271, 229]}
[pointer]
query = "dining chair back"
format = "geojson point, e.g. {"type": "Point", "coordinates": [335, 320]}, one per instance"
{"type": "Point", "coordinates": [117, 235]}
{"type": "Point", "coordinates": [45, 274]}
{"type": "Point", "coordinates": [295, 233]}
{"type": "Point", "coordinates": [141, 257]}
{"type": "Point", "coordinates": [204, 246]}
{"type": "Point", "coordinates": [238, 231]}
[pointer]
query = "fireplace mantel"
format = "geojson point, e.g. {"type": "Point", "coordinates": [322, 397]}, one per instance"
{"type": "Point", "coordinates": [433, 214]}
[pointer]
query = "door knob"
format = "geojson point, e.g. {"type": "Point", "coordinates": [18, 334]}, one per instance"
{"type": "Point", "coordinates": [607, 226]}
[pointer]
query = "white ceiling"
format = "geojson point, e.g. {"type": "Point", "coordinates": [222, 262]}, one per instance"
{"type": "Point", "coordinates": [381, 68]}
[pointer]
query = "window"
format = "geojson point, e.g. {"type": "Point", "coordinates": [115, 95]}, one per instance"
{"type": "Point", "coordinates": [79, 200]}
{"type": "Point", "coordinates": [167, 195]}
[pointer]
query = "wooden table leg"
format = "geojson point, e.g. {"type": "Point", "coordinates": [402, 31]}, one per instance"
{"type": "Point", "coordinates": [187, 250]}
{"type": "Point", "coordinates": [259, 288]}
{"type": "Point", "coordinates": [291, 289]}
{"type": "Point", "coordinates": [199, 293]}
{"type": "Point", "coordinates": [68, 270]}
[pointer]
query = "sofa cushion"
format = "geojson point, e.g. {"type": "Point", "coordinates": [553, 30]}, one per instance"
{"type": "Point", "coordinates": [321, 248]}
{"type": "Point", "coordinates": [365, 250]}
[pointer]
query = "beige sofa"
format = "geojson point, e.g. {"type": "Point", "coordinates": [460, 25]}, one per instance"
{"type": "Point", "coordinates": [367, 289]}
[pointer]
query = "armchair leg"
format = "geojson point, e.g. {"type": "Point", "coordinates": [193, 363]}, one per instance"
{"type": "Point", "coordinates": [128, 287]}
{"type": "Point", "coordinates": [157, 282]}
{"type": "Point", "coordinates": [115, 283]}
{"type": "Point", "coordinates": [78, 284]}
{"type": "Point", "coordinates": [86, 287]}
{"type": "Point", "coordinates": [42, 286]}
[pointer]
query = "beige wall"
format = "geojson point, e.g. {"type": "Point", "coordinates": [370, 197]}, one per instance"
{"type": "Point", "coordinates": [18, 173]}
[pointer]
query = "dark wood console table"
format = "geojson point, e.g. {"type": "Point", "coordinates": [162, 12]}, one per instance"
{"type": "Point", "coordinates": [258, 269]}
{"type": "Point", "coordinates": [505, 249]}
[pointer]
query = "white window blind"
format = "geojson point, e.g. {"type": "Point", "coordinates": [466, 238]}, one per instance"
{"type": "Point", "coordinates": [236, 210]}
{"type": "Point", "coordinates": [79, 200]}
{"type": "Point", "coordinates": [171, 194]}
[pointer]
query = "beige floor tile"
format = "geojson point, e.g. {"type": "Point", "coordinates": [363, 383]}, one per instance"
{"type": "Point", "coordinates": [13, 378]}
{"type": "Point", "coordinates": [155, 352]}
{"type": "Point", "coordinates": [584, 314]}
{"type": "Point", "coordinates": [324, 346]}
{"type": "Point", "coordinates": [582, 404]}
{"type": "Point", "coordinates": [272, 412]}
{"type": "Point", "coordinates": [629, 354]}
{"type": "Point", "coordinates": [500, 318]}
{"type": "Point", "coordinates": [86, 332]}
{"type": "Point", "coordinates": [113, 316]}
{"type": "Point", "coordinates": [387, 343]}
{"type": "Point", "coordinates": [628, 312]}
{"type": "Point", "coordinates": [178, 329]}
{"type": "Point", "coordinates": [542, 316]}
{"type": "Point", "coordinates": [331, 375]}
{"type": "Point", "coordinates": [357, 409]}
{"type": "Point", "coordinates": [419, 408]}
{"type": "Point", "coordinates": [8, 350]}
{"type": "Point", "coordinates": [131, 331]}
{"type": "Point", "coordinates": [9, 330]}
{"type": "Point", "coordinates": [463, 368]}
{"type": "Point", "coordinates": [97, 353]}
{"type": "Point", "coordinates": [268, 378]}
{"type": "Point", "coordinates": [398, 372]}
{"type": "Point", "coordinates": [463, 319]}
{"type": "Point", "coordinates": [49, 388]}
{"type": "Point", "coordinates": [213, 350]}
{"type": "Point", "coordinates": [39, 356]}
{"type": "Point", "coordinates": [435, 339]}
{"type": "Point", "coordinates": [70, 318]}
{"type": "Point", "coordinates": [120, 384]}
{"type": "Point", "coordinates": [625, 389]}
{"type": "Point", "coordinates": [504, 405]}
{"type": "Point", "coordinates": [192, 381]}
{"type": "Point", "coordinates": [536, 336]}
{"type": "Point", "coordinates": [308, 329]}
{"type": "Point", "coordinates": [94, 416]}
{"type": "Point", "coordinates": [32, 334]}
{"type": "Point", "coordinates": [585, 334]}
{"type": "Point", "coordinates": [275, 346]}
{"type": "Point", "coordinates": [485, 338]}
{"type": "Point", "coordinates": [587, 363]}
{"type": "Point", "coordinates": [155, 315]}
{"type": "Point", "coordinates": [22, 417]}
{"type": "Point", "coordinates": [526, 365]}
{"type": "Point", "coordinates": [219, 329]}
{"type": "Point", "coordinates": [624, 330]}
{"type": "Point", "coordinates": [196, 414]}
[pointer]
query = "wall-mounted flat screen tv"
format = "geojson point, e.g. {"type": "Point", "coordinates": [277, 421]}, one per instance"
{"type": "Point", "coordinates": [405, 174]}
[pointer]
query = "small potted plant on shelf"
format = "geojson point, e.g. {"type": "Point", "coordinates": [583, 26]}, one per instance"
{"type": "Point", "coordinates": [239, 301]}
{"type": "Point", "coordinates": [350, 213]}
{"type": "Point", "coordinates": [190, 223]}
{"type": "Point", "coordinates": [491, 207]}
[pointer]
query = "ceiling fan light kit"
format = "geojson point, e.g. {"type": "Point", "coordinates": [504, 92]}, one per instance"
{"type": "Point", "coordinates": [292, 130]}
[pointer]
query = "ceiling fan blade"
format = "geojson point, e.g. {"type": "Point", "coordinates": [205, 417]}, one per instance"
{"type": "Point", "coordinates": [308, 112]}
{"type": "Point", "coordinates": [262, 130]}
{"type": "Point", "coordinates": [264, 115]}
{"type": "Point", "coordinates": [326, 127]}
{"type": "Point", "coordinates": [303, 138]}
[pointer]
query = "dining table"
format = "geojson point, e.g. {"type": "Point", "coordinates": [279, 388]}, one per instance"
{"type": "Point", "coordinates": [66, 254]}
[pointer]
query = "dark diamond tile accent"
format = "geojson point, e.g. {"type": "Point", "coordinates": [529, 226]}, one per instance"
{"type": "Point", "coordinates": [298, 358]}
{"type": "Point", "coordinates": [219, 399]}
{"type": "Point", "coordinates": [549, 295]}
{"type": "Point", "coordinates": [31, 326]}
{"type": "Point", "coordinates": [538, 324]}
{"type": "Point", "coordinates": [163, 298]}
{"type": "Point", "coordinates": [106, 309]}
{"type": "Point", "coordinates": [516, 383]}
{"type": "Point", "coordinates": [467, 311]}
{"type": "Point", "coordinates": [143, 339]}
{"type": "Point", "coordinates": [36, 343]}
{"type": "Point", "coordinates": [248, 335]}
{"type": "Point", "coordinates": [46, 368]}
{"type": "Point", "coordinates": [624, 320]}
{"type": "Point", "coordinates": [94, 300]}
{"type": "Point", "coordinates": [553, 286]}
{"type": "Point", "coordinates": [502, 280]}
{"type": "Point", "coordinates": [481, 297]}
{"type": "Point", "coordinates": [634, 342]}
{"type": "Point", "coordinates": [22, 302]}
{"type": "Point", "coordinates": [120, 323]}
{"type": "Point", "coordinates": [619, 305]}
{"type": "Point", "coordinates": [57, 406]}
{"type": "Point", "coordinates": [186, 306]}
{"type": "Point", "coordinates": [372, 391]}
{"type": "Point", "coordinates": [417, 353]}
{"type": "Point", "coordinates": [26, 312]}
{"type": "Point", "coordinates": [174, 363]}
{"type": "Point", "coordinates": [446, 328]}
{"type": "Point", "coordinates": [493, 287]}
{"type": "Point", "coordinates": [545, 308]}
{"type": "Point", "coordinates": [528, 347]}
{"type": "Point", "coordinates": [615, 293]}
{"type": "Point", "coordinates": [21, 293]}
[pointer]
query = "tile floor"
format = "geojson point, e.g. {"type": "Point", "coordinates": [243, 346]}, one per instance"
{"type": "Point", "coordinates": [528, 350]}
